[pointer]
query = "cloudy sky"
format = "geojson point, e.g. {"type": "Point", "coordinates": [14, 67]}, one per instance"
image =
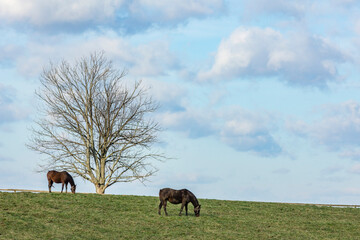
{"type": "Point", "coordinates": [259, 101]}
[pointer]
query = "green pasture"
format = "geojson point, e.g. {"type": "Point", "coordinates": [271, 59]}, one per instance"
{"type": "Point", "coordinates": [91, 216]}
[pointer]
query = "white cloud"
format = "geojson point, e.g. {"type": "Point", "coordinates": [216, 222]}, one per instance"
{"type": "Point", "coordinates": [297, 59]}
{"type": "Point", "coordinates": [44, 12]}
{"type": "Point", "coordinates": [191, 178]}
{"type": "Point", "coordinates": [131, 16]}
{"type": "Point", "coordinates": [169, 95]}
{"type": "Point", "coordinates": [151, 59]}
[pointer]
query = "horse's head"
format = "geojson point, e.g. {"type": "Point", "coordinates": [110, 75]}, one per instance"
{"type": "Point", "coordinates": [197, 210]}
{"type": "Point", "coordinates": [73, 188]}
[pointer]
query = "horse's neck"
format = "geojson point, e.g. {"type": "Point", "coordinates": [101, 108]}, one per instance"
{"type": "Point", "coordinates": [71, 180]}
{"type": "Point", "coordinates": [194, 200]}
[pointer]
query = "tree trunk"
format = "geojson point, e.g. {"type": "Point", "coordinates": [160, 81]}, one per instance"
{"type": "Point", "coordinates": [100, 189]}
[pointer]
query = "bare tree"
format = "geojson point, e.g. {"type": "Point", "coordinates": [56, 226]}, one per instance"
{"type": "Point", "coordinates": [94, 124]}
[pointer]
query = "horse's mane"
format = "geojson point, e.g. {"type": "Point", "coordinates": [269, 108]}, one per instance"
{"type": "Point", "coordinates": [71, 180]}
{"type": "Point", "coordinates": [193, 199]}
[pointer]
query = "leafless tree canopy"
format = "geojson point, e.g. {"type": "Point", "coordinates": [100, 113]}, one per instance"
{"type": "Point", "coordinates": [94, 124]}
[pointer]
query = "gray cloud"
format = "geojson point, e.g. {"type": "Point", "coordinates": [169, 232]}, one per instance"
{"type": "Point", "coordinates": [339, 126]}
{"type": "Point", "coordinates": [240, 129]}
{"type": "Point", "coordinates": [355, 169]}
{"type": "Point", "coordinates": [6, 159]}
{"type": "Point", "coordinates": [194, 123]}
{"type": "Point", "coordinates": [337, 129]}
{"type": "Point", "coordinates": [145, 13]}
{"type": "Point", "coordinates": [261, 143]}
{"type": "Point", "coordinates": [7, 53]}
{"type": "Point", "coordinates": [281, 171]}
{"type": "Point", "coordinates": [289, 8]}
{"type": "Point", "coordinates": [249, 132]}
{"type": "Point", "coordinates": [9, 110]}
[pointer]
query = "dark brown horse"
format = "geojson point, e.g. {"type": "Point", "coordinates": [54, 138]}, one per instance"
{"type": "Point", "coordinates": [182, 196]}
{"type": "Point", "coordinates": [61, 177]}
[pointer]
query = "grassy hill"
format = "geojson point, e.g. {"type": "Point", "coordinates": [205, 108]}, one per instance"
{"type": "Point", "coordinates": [90, 216]}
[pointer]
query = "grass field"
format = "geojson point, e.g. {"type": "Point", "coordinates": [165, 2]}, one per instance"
{"type": "Point", "coordinates": [90, 216]}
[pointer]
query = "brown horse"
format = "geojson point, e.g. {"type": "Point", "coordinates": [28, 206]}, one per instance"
{"type": "Point", "coordinates": [182, 196]}
{"type": "Point", "coordinates": [61, 177]}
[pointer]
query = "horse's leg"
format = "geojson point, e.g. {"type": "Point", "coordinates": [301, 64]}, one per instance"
{"type": "Point", "coordinates": [50, 185]}
{"type": "Point", "coordinates": [182, 207]}
{"type": "Point", "coordinates": [66, 187]}
{"type": "Point", "coordinates": [186, 208]}
{"type": "Point", "coordinates": [164, 203]}
{"type": "Point", "coordinates": [62, 187]}
{"type": "Point", "coordinates": [160, 205]}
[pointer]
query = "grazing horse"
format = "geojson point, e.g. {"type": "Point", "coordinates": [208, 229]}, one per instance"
{"type": "Point", "coordinates": [61, 177]}
{"type": "Point", "coordinates": [182, 196]}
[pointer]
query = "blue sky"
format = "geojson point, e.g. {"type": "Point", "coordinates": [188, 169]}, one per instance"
{"type": "Point", "coordinates": [258, 101]}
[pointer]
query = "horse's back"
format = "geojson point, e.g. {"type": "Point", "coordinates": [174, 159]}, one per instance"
{"type": "Point", "coordinates": [58, 176]}
{"type": "Point", "coordinates": [50, 174]}
{"type": "Point", "coordinates": [166, 191]}
{"type": "Point", "coordinates": [163, 192]}
{"type": "Point", "coordinates": [172, 195]}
